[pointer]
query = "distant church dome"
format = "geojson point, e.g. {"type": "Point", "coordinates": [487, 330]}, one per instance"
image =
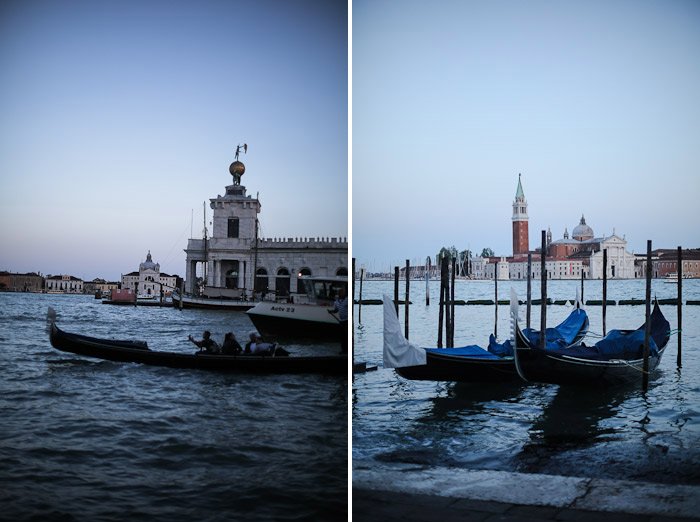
{"type": "Point", "coordinates": [149, 264]}
{"type": "Point", "coordinates": [582, 232]}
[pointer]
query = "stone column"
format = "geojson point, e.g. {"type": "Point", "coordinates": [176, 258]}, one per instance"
{"type": "Point", "coordinates": [190, 272]}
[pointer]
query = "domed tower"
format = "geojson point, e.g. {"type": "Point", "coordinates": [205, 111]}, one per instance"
{"type": "Point", "coordinates": [582, 232]}
{"type": "Point", "coordinates": [521, 243]}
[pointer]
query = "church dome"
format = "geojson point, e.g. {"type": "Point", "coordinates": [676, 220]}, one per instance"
{"type": "Point", "coordinates": [582, 232]}
{"type": "Point", "coordinates": [149, 264]}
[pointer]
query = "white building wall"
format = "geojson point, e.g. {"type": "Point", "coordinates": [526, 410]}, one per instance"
{"type": "Point", "coordinates": [620, 262]}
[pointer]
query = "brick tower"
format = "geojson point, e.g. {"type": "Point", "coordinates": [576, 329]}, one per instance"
{"type": "Point", "coordinates": [521, 244]}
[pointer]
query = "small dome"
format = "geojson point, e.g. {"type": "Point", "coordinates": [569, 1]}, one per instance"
{"type": "Point", "coordinates": [582, 232]}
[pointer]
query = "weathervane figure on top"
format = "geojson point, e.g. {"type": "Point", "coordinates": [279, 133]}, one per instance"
{"type": "Point", "coordinates": [237, 168]}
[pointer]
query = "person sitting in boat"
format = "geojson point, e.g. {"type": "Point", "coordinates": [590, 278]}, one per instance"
{"type": "Point", "coordinates": [207, 343]}
{"type": "Point", "coordinates": [231, 345]}
{"type": "Point", "coordinates": [256, 346]}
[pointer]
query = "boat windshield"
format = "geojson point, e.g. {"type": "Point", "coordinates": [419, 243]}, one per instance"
{"type": "Point", "coordinates": [319, 290]}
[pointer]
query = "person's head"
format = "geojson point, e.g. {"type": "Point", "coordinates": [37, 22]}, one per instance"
{"type": "Point", "coordinates": [341, 292]}
{"type": "Point", "coordinates": [252, 336]}
{"type": "Point", "coordinates": [206, 334]}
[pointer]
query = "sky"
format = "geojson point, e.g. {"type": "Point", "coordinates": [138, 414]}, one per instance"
{"type": "Point", "coordinates": [596, 103]}
{"type": "Point", "coordinates": [120, 119]}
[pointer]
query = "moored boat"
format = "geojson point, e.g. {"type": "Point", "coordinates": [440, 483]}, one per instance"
{"type": "Point", "coordinates": [138, 352]}
{"type": "Point", "coordinates": [469, 363]}
{"type": "Point", "coordinates": [615, 359]}
{"type": "Point", "coordinates": [211, 303]}
{"type": "Point", "coordinates": [306, 316]}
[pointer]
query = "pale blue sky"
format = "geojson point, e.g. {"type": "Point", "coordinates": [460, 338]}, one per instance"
{"type": "Point", "coordinates": [120, 117]}
{"type": "Point", "coordinates": [596, 103]}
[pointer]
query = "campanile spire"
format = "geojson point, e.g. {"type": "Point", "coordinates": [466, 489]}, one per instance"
{"type": "Point", "coordinates": [521, 244]}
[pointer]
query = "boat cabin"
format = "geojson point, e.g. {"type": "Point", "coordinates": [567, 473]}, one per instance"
{"type": "Point", "coordinates": [320, 290]}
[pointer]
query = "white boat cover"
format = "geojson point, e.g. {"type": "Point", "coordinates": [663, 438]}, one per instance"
{"type": "Point", "coordinates": [398, 352]}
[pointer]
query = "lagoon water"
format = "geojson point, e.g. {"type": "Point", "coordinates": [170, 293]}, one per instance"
{"type": "Point", "coordinates": [85, 439]}
{"type": "Point", "coordinates": [616, 433]}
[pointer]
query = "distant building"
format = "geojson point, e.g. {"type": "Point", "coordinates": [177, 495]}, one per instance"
{"type": "Point", "coordinates": [64, 284]}
{"type": "Point", "coordinates": [149, 280]}
{"type": "Point", "coordinates": [664, 263]}
{"type": "Point", "coordinates": [566, 258]}
{"type": "Point", "coordinates": [99, 285]}
{"type": "Point", "coordinates": [29, 282]}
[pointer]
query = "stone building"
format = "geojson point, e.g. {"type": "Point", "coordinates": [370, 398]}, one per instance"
{"type": "Point", "coordinates": [149, 280]}
{"type": "Point", "coordinates": [64, 284]}
{"type": "Point", "coordinates": [236, 260]}
{"type": "Point", "coordinates": [664, 263]}
{"type": "Point", "coordinates": [29, 282]}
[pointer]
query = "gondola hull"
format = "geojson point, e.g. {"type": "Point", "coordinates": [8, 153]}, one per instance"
{"type": "Point", "coordinates": [441, 367]}
{"type": "Point", "coordinates": [597, 364]}
{"type": "Point", "coordinates": [138, 352]}
{"type": "Point", "coordinates": [560, 369]}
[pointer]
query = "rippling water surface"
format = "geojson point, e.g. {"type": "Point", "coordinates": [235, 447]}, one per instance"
{"type": "Point", "coordinates": [85, 439]}
{"type": "Point", "coordinates": [618, 433]}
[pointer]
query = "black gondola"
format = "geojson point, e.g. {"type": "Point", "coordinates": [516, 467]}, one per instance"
{"type": "Point", "coordinates": [471, 363]}
{"type": "Point", "coordinates": [615, 359]}
{"type": "Point", "coordinates": [138, 352]}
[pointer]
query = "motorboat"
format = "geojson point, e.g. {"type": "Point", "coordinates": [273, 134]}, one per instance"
{"type": "Point", "coordinates": [303, 315]}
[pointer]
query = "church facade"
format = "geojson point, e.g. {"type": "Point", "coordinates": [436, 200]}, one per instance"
{"type": "Point", "coordinates": [149, 280]}
{"type": "Point", "coordinates": [235, 261]}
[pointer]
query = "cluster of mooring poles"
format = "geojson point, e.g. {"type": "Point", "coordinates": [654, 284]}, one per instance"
{"type": "Point", "coordinates": [446, 312]}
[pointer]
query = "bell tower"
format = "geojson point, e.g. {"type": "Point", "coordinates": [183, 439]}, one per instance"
{"type": "Point", "coordinates": [521, 243]}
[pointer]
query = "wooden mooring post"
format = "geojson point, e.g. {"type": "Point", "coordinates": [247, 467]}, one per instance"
{"type": "Point", "coordinates": [495, 300]}
{"type": "Point", "coordinates": [446, 302]}
{"type": "Point", "coordinates": [605, 286]}
{"type": "Point", "coordinates": [680, 304]}
{"type": "Point", "coordinates": [543, 291]}
{"type": "Point", "coordinates": [529, 289]}
{"type": "Point", "coordinates": [647, 324]}
{"type": "Point", "coordinates": [582, 301]}
{"type": "Point", "coordinates": [408, 281]}
{"type": "Point", "coordinates": [441, 310]}
{"type": "Point", "coordinates": [452, 304]}
{"type": "Point", "coordinates": [359, 303]}
{"type": "Point", "coordinates": [396, 290]}
{"type": "Point", "coordinates": [352, 324]}
{"type": "Point", "coordinates": [427, 281]}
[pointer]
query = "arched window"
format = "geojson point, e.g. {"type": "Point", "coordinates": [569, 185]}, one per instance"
{"type": "Point", "coordinates": [341, 271]}
{"type": "Point", "coordinates": [282, 282]}
{"type": "Point", "coordinates": [262, 282]}
{"type": "Point", "coordinates": [300, 285]}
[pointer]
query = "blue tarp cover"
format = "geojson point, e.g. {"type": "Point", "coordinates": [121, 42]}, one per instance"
{"type": "Point", "coordinates": [617, 344]}
{"type": "Point", "coordinates": [561, 335]}
{"type": "Point", "coordinates": [625, 344]}
{"type": "Point", "coordinates": [472, 351]}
